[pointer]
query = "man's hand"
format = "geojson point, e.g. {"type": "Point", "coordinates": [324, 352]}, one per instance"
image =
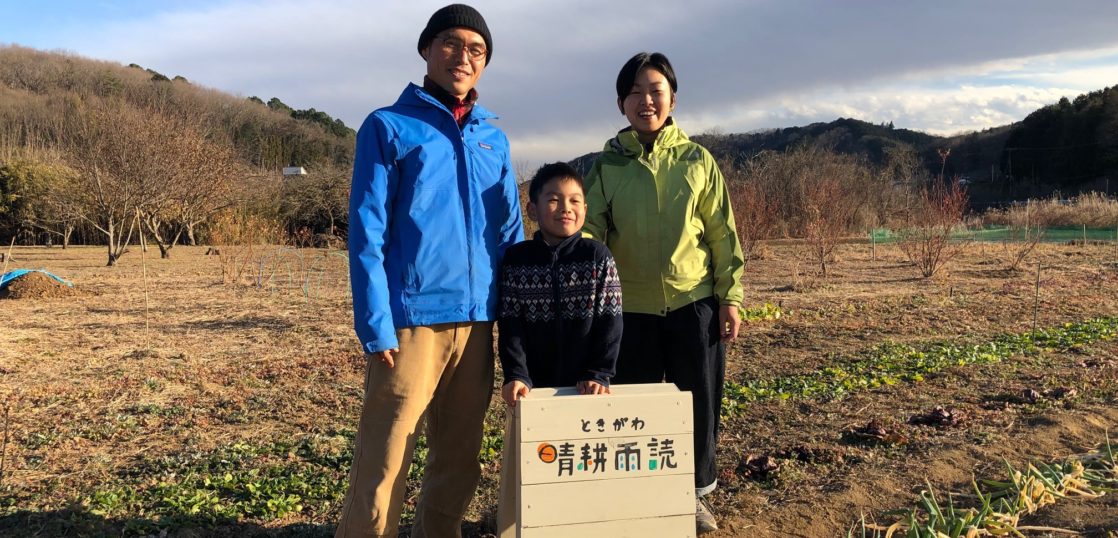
{"type": "Point", "coordinates": [728, 322]}
{"type": "Point", "coordinates": [513, 391]}
{"type": "Point", "coordinates": [386, 356]}
{"type": "Point", "coordinates": [592, 387]}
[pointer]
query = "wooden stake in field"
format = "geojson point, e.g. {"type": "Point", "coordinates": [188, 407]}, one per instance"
{"type": "Point", "coordinates": [144, 268]}
{"type": "Point", "coordinates": [1036, 296]}
{"type": "Point", "coordinates": [4, 449]}
{"type": "Point", "coordinates": [8, 258]}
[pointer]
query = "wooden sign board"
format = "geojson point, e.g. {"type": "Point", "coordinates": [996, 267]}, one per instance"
{"type": "Point", "coordinates": [612, 465]}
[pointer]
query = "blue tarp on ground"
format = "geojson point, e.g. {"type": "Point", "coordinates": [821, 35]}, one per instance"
{"type": "Point", "coordinates": [14, 274]}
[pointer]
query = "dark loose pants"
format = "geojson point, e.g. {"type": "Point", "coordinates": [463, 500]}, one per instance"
{"type": "Point", "coordinates": [684, 348]}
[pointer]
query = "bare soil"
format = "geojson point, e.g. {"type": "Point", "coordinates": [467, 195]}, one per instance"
{"type": "Point", "coordinates": [134, 373]}
{"type": "Point", "coordinates": [35, 285]}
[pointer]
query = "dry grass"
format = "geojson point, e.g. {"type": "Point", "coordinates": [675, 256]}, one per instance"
{"type": "Point", "coordinates": [1093, 210]}
{"type": "Point", "coordinates": [107, 400]}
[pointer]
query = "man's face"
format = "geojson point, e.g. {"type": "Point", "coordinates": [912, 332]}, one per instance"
{"type": "Point", "coordinates": [455, 60]}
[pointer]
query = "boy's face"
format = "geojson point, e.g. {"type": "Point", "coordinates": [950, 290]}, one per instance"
{"type": "Point", "coordinates": [450, 63]}
{"type": "Point", "coordinates": [560, 209]}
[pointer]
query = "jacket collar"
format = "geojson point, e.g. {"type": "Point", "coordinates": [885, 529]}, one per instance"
{"type": "Point", "coordinates": [626, 142]}
{"type": "Point", "coordinates": [562, 246]}
{"type": "Point", "coordinates": [415, 95]}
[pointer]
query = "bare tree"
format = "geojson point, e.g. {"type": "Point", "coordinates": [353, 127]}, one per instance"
{"type": "Point", "coordinates": [815, 194]}
{"type": "Point", "coordinates": [755, 210]}
{"type": "Point", "coordinates": [36, 192]}
{"type": "Point", "coordinates": [828, 213]}
{"type": "Point", "coordinates": [317, 200]}
{"type": "Point", "coordinates": [58, 210]}
{"type": "Point", "coordinates": [926, 236]}
{"type": "Point", "coordinates": [523, 170]}
{"type": "Point", "coordinates": [123, 156]}
{"type": "Point", "coordinates": [898, 179]}
{"type": "Point", "coordinates": [105, 151]}
{"type": "Point", "coordinates": [194, 186]}
{"type": "Point", "coordinates": [1026, 230]}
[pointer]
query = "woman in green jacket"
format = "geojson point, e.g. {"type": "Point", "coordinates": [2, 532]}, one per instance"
{"type": "Point", "coordinates": [660, 204]}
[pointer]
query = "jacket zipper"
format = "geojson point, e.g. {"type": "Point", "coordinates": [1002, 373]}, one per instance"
{"type": "Point", "coordinates": [467, 204]}
{"type": "Point", "coordinates": [555, 292]}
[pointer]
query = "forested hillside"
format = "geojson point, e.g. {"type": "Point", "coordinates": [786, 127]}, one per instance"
{"type": "Point", "coordinates": [1068, 143]}
{"type": "Point", "coordinates": [96, 151]}
{"type": "Point", "coordinates": [38, 89]}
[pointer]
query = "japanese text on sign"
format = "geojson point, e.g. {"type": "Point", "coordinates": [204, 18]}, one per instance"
{"type": "Point", "coordinates": [618, 424]}
{"type": "Point", "coordinates": [595, 457]}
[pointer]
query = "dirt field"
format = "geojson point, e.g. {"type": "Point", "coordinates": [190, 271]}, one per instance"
{"type": "Point", "coordinates": [173, 404]}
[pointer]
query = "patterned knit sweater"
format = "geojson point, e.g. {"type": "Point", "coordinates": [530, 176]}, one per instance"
{"type": "Point", "coordinates": [560, 315]}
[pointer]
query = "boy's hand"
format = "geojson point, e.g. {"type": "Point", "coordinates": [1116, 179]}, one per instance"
{"type": "Point", "coordinates": [592, 387]}
{"type": "Point", "coordinates": [513, 391]}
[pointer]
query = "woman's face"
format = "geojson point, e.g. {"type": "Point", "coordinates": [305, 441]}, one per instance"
{"type": "Point", "coordinates": [648, 104]}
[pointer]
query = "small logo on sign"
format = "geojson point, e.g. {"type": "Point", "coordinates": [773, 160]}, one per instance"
{"type": "Point", "coordinates": [546, 452]}
{"type": "Point", "coordinates": [483, 145]}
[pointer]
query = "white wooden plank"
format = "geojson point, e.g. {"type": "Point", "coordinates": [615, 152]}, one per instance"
{"type": "Point", "coordinates": [547, 505]}
{"type": "Point", "coordinates": [672, 455]}
{"type": "Point", "coordinates": [615, 390]}
{"type": "Point", "coordinates": [549, 415]}
{"type": "Point", "coordinates": [658, 527]}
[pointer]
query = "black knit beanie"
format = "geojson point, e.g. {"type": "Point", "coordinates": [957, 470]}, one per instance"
{"type": "Point", "coordinates": [456, 16]}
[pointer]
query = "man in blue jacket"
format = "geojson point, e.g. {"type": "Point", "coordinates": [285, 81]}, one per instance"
{"type": "Point", "coordinates": [433, 207]}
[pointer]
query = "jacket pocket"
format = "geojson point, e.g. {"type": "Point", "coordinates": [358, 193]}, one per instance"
{"type": "Point", "coordinates": [412, 282]}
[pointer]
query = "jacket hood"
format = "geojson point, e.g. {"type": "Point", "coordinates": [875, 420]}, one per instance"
{"type": "Point", "coordinates": [627, 144]}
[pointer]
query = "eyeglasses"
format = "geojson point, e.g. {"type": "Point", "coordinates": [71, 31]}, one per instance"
{"type": "Point", "coordinates": [453, 46]}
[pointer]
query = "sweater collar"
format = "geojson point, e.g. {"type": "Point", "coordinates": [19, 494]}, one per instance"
{"type": "Point", "coordinates": [564, 244]}
{"type": "Point", "coordinates": [414, 95]}
{"type": "Point", "coordinates": [460, 108]}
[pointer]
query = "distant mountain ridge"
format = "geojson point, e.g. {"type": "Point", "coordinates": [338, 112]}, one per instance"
{"type": "Point", "coordinates": [1068, 146]}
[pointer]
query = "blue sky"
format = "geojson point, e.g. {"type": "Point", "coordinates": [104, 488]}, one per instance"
{"type": "Point", "coordinates": [47, 24]}
{"type": "Point", "coordinates": [943, 67]}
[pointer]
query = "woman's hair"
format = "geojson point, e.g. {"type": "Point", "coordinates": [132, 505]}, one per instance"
{"type": "Point", "coordinates": [548, 172]}
{"type": "Point", "coordinates": [629, 72]}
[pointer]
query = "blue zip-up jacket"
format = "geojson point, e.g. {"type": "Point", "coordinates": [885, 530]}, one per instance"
{"type": "Point", "coordinates": [431, 211]}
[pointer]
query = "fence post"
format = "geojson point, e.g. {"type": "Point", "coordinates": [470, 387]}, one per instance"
{"type": "Point", "coordinates": [1036, 296]}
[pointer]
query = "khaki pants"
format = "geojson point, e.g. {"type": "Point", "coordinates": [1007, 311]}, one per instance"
{"type": "Point", "coordinates": [445, 371]}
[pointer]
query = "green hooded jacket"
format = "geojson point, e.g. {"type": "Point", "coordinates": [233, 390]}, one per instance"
{"type": "Point", "coordinates": [666, 217]}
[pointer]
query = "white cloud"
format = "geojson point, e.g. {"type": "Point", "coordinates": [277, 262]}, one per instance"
{"type": "Point", "coordinates": [945, 67]}
{"type": "Point", "coordinates": [938, 111]}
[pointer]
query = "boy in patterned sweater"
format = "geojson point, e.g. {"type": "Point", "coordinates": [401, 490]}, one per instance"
{"type": "Point", "coordinates": [560, 314]}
